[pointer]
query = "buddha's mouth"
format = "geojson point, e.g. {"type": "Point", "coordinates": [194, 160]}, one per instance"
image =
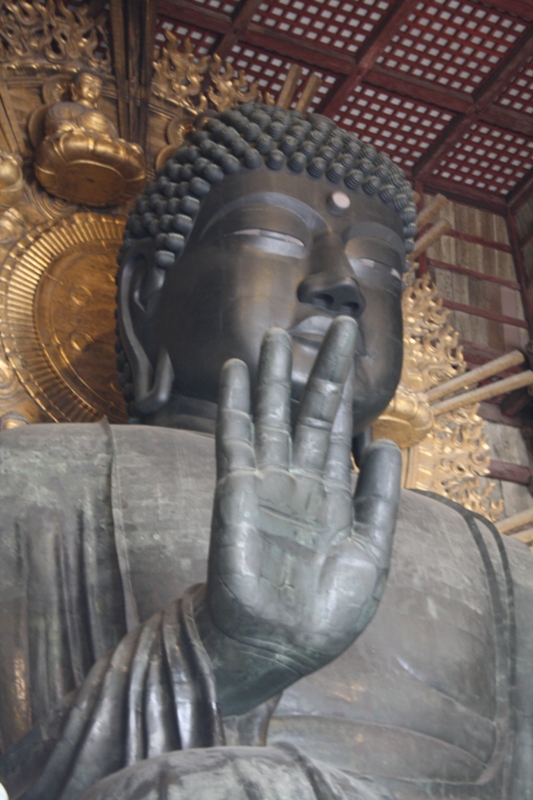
{"type": "Point", "coordinates": [312, 329]}
{"type": "Point", "coordinates": [310, 332]}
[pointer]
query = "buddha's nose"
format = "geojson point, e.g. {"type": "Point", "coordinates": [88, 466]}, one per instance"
{"type": "Point", "coordinates": [331, 285]}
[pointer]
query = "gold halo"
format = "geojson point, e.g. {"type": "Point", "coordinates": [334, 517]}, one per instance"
{"type": "Point", "coordinates": [56, 316]}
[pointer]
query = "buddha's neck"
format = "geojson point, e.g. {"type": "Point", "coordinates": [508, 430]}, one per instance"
{"type": "Point", "coordinates": [187, 413]}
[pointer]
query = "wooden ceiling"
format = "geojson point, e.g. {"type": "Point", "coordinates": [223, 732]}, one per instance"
{"type": "Point", "coordinates": [444, 86]}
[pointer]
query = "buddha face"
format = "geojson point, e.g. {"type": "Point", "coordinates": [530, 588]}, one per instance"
{"type": "Point", "coordinates": [274, 249]}
{"type": "Point", "coordinates": [86, 89]}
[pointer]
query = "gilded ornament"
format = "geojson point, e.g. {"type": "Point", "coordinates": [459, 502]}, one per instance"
{"type": "Point", "coordinates": [32, 32]}
{"type": "Point", "coordinates": [11, 226]}
{"type": "Point", "coordinates": [227, 88]}
{"type": "Point", "coordinates": [179, 79]}
{"type": "Point", "coordinates": [447, 454]}
{"type": "Point", "coordinates": [11, 179]}
{"type": "Point", "coordinates": [407, 420]}
{"type": "Point", "coordinates": [178, 76]}
{"type": "Point", "coordinates": [81, 157]}
{"type": "Point", "coordinates": [12, 420]}
{"type": "Point", "coordinates": [57, 293]}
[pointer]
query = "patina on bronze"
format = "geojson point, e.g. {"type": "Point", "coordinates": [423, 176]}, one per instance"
{"type": "Point", "coordinates": [416, 686]}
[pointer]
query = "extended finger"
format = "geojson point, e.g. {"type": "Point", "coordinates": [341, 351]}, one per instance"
{"type": "Point", "coordinates": [322, 395]}
{"type": "Point", "coordinates": [377, 496]}
{"type": "Point", "coordinates": [272, 400]}
{"type": "Point", "coordinates": [338, 461]}
{"type": "Point", "coordinates": [234, 427]}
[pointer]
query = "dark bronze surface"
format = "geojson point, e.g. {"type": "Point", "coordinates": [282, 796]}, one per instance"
{"type": "Point", "coordinates": [414, 687]}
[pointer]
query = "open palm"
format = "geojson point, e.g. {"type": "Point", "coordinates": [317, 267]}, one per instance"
{"type": "Point", "coordinates": [297, 565]}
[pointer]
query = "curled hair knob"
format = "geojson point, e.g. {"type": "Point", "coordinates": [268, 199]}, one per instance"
{"type": "Point", "coordinates": [275, 160]}
{"type": "Point", "coordinates": [354, 179]}
{"type": "Point", "coordinates": [297, 162]}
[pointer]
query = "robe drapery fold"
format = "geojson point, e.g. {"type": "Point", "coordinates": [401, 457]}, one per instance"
{"type": "Point", "coordinates": [154, 693]}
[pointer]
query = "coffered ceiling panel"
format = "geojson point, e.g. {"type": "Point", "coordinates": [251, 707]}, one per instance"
{"type": "Point", "coordinates": [444, 86]}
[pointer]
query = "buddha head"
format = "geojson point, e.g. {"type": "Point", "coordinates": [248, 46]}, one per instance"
{"type": "Point", "coordinates": [86, 88]}
{"type": "Point", "coordinates": [262, 218]}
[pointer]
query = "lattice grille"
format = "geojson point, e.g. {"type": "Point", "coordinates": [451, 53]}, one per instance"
{"type": "Point", "coordinates": [202, 41]}
{"type": "Point", "coordinates": [488, 158]}
{"type": "Point", "coordinates": [518, 95]}
{"type": "Point", "coordinates": [403, 128]}
{"type": "Point", "coordinates": [222, 6]}
{"type": "Point", "coordinates": [453, 43]}
{"type": "Point", "coordinates": [330, 23]}
{"type": "Point", "coordinates": [270, 72]}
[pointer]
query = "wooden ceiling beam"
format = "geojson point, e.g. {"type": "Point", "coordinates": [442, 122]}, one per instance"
{"type": "Point", "coordinates": [521, 192]}
{"type": "Point", "coordinates": [481, 102]}
{"type": "Point", "coordinates": [466, 195]}
{"type": "Point", "coordinates": [369, 53]}
{"type": "Point", "coordinates": [318, 57]}
{"type": "Point", "coordinates": [521, 272]}
{"type": "Point", "coordinates": [522, 8]}
{"type": "Point", "coordinates": [455, 102]}
{"type": "Point", "coordinates": [193, 14]}
{"type": "Point", "coordinates": [506, 118]}
{"type": "Point", "coordinates": [240, 21]}
{"type": "Point", "coordinates": [417, 89]}
{"type": "Point", "coordinates": [312, 55]}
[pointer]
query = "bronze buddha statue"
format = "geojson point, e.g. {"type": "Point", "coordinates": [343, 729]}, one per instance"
{"type": "Point", "coordinates": [412, 686]}
{"type": "Point", "coordinates": [81, 157]}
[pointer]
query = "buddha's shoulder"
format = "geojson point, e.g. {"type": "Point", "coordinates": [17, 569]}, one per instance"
{"type": "Point", "coordinates": [82, 442]}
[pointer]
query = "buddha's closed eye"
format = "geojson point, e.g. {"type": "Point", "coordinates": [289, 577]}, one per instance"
{"type": "Point", "coordinates": [282, 237]}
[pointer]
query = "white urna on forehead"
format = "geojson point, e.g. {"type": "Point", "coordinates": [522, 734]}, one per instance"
{"type": "Point", "coordinates": [247, 137]}
{"type": "Point", "coordinates": [338, 203]}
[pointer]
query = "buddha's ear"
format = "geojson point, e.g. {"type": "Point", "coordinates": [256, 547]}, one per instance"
{"type": "Point", "coordinates": [139, 287]}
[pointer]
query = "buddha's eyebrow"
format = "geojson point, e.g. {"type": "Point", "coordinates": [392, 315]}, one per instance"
{"type": "Point", "coordinates": [311, 218]}
{"type": "Point", "coordinates": [375, 230]}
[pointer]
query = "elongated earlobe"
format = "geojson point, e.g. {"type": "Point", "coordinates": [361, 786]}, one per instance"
{"type": "Point", "coordinates": [152, 396]}
{"type": "Point", "coordinates": [151, 386]}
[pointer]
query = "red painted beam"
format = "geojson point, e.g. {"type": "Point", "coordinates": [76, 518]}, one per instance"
{"type": "Point", "coordinates": [312, 55]}
{"type": "Point", "coordinates": [241, 19]}
{"type": "Point", "coordinates": [522, 8]}
{"type": "Point", "coordinates": [319, 57]}
{"type": "Point", "coordinates": [521, 273]}
{"type": "Point", "coordinates": [471, 237]}
{"type": "Point", "coordinates": [467, 195]}
{"type": "Point", "coordinates": [470, 273]}
{"type": "Point", "coordinates": [506, 118]}
{"type": "Point", "coordinates": [482, 100]}
{"type": "Point", "coordinates": [404, 84]}
{"type": "Point", "coordinates": [369, 53]}
{"type": "Point", "coordinates": [521, 192]}
{"type": "Point", "coordinates": [506, 471]}
{"type": "Point", "coordinates": [192, 14]}
{"type": "Point", "coordinates": [494, 316]}
{"type": "Point", "coordinates": [493, 413]}
{"type": "Point", "coordinates": [528, 238]}
{"type": "Point", "coordinates": [456, 102]}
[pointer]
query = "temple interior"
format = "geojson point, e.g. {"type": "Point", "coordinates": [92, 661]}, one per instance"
{"type": "Point", "coordinates": [96, 96]}
{"type": "Point", "coordinates": [443, 87]}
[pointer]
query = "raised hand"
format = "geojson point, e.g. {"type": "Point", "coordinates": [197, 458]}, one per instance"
{"type": "Point", "coordinates": [296, 566]}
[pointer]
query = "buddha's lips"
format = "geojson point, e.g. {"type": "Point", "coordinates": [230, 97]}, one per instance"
{"type": "Point", "coordinates": [312, 330]}
{"type": "Point", "coordinates": [316, 326]}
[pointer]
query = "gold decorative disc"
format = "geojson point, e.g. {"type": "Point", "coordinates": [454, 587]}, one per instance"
{"type": "Point", "coordinates": [57, 295]}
